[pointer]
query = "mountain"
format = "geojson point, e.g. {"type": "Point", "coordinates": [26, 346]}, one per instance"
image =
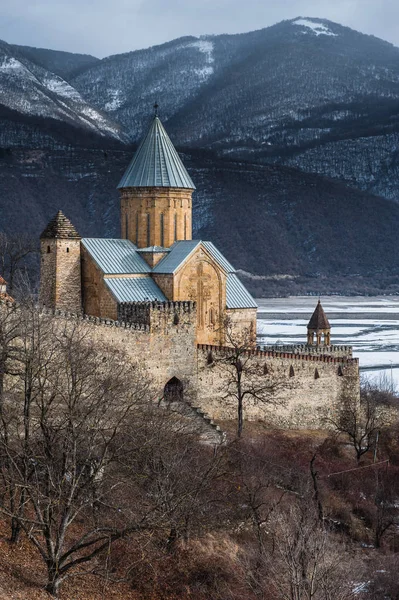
{"type": "Point", "coordinates": [291, 134]}
{"type": "Point", "coordinates": [64, 64]}
{"type": "Point", "coordinates": [307, 93]}
{"type": "Point", "coordinates": [30, 90]}
{"type": "Point", "coordinates": [286, 231]}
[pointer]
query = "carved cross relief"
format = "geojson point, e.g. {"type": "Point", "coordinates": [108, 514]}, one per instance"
{"type": "Point", "coordinates": [200, 291]}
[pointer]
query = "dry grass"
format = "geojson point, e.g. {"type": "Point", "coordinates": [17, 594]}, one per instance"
{"type": "Point", "coordinates": [22, 577]}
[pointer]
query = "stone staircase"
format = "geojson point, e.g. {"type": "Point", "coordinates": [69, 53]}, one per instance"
{"type": "Point", "coordinates": [199, 422]}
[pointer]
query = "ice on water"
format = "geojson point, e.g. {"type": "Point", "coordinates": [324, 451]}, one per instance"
{"type": "Point", "coordinates": [370, 325]}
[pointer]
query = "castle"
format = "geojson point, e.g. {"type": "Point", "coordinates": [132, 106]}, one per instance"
{"type": "Point", "coordinates": [165, 298]}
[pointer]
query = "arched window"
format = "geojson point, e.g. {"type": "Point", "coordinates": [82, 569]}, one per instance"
{"type": "Point", "coordinates": [212, 316]}
{"type": "Point", "coordinates": [137, 228]}
{"type": "Point", "coordinates": [148, 229]}
{"type": "Point", "coordinates": [292, 372]}
{"type": "Point", "coordinates": [126, 226]}
{"type": "Point", "coordinates": [161, 229]}
{"type": "Point", "coordinates": [67, 249]}
{"type": "Point", "coordinates": [316, 374]}
{"type": "Point", "coordinates": [48, 249]}
{"type": "Point", "coordinates": [175, 228]}
{"type": "Point", "coordinates": [185, 227]}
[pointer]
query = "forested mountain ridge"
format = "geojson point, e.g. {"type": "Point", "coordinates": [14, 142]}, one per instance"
{"type": "Point", "coordinates": [307, 93]}
{"type": "Point", "coordinates": [34, 92]}
{"type": "Point", "coordinates": [285, 230]}
{"type": "Point", "coordinates": [252, 113]}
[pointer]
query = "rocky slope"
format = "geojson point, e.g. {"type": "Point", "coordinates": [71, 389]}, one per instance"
{"type": "Point", "coordinates": [33, 91]}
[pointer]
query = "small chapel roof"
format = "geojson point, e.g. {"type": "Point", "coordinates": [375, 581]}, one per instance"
{"type": "Point", "coordinates": [134, 289]}
{"type": "Point", "coordinates": [319, 319]}
{"type": "Point", "coordinates": [156, 163]}
{"type": "Point", "coordinates": [60, 227]}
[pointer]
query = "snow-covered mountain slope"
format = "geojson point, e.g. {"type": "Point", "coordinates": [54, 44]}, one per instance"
{"type": "Point", "coordinates": [127, 85]}
{"type": "Point", "coordinates": [297, 93]}
{"type": "Point", "coordinates": [64, 64]}
{"type": "Point", "coordinates": [30, 89]}
{"type": "Point", "coordinates": [305, 93]}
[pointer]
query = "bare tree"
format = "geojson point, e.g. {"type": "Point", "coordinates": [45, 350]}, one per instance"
{"type": "Point", "coordinates": [360, 422]}
{"type": "Point", "coordinates": [243, 375]}
{"type": "Point", "coordinates": [307, 564]}
{"type": "Point", "coordinates": [14, 252]}
{"type": "Point", "coordinates": [65, 422]}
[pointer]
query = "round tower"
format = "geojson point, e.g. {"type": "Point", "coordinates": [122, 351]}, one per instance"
{"type": "Point", "coordinates": [60, 281]}
{"type": "Point", "coordinates": [319, 328]}
{"type": "Point", "coordinates": [156, 193]}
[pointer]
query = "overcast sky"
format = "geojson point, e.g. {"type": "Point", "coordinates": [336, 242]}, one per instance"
{"type": "Point", "coordinates": [103, 27]}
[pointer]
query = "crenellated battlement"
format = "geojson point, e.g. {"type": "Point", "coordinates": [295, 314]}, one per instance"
{"type": "Point", "coordinates": [332, 350]}
{"type": "Point", "coordinates": [153, 314]}
{"type": "Point", "coordinates": [295, 356]}
{"type": "Point", "coordinates": [81, 317]}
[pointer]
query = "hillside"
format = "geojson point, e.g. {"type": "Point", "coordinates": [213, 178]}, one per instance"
{"type": "Point", "coordinates": [307, 93]}
{"type": "Point", "coordinates": [267, 121]}
{"type": "Point", "coordinates": [288, 231]}
{"type": "Point", "coordinates": [33, 91]}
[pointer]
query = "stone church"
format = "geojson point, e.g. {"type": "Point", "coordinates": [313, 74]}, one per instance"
{"type": "Point", "coordinates": [156, 258]}
{"type": "Point", "coordinates": [162, 297]}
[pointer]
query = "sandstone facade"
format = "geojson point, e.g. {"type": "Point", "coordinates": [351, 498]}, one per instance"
{"type": "Point", "coordinates": [156, 216]}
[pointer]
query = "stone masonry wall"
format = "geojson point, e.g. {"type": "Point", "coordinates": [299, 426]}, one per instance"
{"type": "Point", "coordinates": [164, 350]}
{"type": "Point", "coordinates": [162, 341]}
{"type": "Point", "coordinates": [60, 274]}
{"type": "Point", "coordinates": [141, 210]}
{"type": "Point", "coordinates": [309, 388]}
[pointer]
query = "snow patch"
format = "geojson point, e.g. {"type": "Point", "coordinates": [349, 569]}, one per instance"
{"type": "Point", "coordinates": [62, 88]}
{"type": "Point", "coordinates": [10, 64]}
{"type": "Point", "coordinates": [206, 47]}
{"type": "Point", "coordinates": [317, 28]}
{"type": "Point", "coordinates": [115, 100]}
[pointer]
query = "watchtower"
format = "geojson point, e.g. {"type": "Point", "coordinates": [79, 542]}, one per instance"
{"type": "Point", "coordinates": [319, 328]}
{"type": "Point", "coordinates": [60, 280]}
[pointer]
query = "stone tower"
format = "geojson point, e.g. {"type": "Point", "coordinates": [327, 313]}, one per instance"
{"type": "Point", "coordinates": [156, 193]}
{"type": "Point", "coordinates": [319, 329]}
{"type": "Point", "coordinates": [60, 282]}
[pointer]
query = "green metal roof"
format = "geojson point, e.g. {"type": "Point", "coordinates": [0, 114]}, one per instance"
{"type": "Point", "coordinates": [156, 163]}
{"type": "Point", "coordinates": [134, 289]}
{"type": "Point", "coordinates": [181, 250]}
{"type": "Point", "coordinates": [237, 295]}
{"type": "Point", "coordinates": [115, 257]}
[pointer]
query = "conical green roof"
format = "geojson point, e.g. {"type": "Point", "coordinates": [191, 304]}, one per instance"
{"type": "Point", "coordinates": [156, 163]}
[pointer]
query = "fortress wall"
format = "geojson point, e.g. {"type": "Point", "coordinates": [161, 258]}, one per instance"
{"type": "Point", "coordinates": [158, 336]}
{"type": "Point", "coordinates": [304, 397]}
{"type": "Point", "coordinates": [337, 351]}
{"type": "Point", "coordinates": [165, 348]}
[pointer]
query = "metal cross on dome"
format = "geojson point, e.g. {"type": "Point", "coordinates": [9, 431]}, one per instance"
{"type": "Point", "coordinates": [156, 106]}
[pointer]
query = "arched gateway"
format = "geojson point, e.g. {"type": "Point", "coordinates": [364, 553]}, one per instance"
{"type": "Point", "coordinates": [173, 390]}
